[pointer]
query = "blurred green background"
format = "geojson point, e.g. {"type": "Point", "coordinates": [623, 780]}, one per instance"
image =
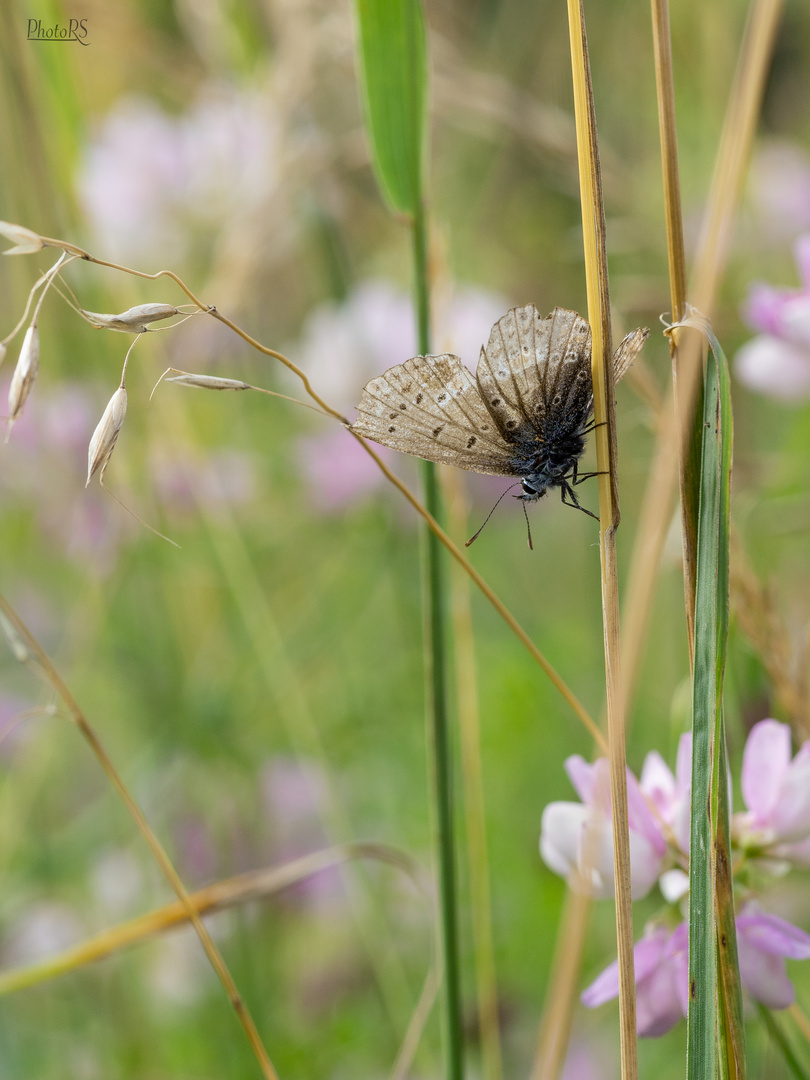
{"type": "Point", "coordinates": [261, 687]}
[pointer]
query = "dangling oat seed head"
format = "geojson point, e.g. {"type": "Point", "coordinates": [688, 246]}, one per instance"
{"type": "Point", "coordinates": [106, 434]}
{"type": "Point", "coordinates": [25, 373]}
{"type": "Point", "coordinates": [25, 241]}
{"type": "Point", "coordinates": [207, 382]}
{"type": "Point", "coordinates": [134, 320]}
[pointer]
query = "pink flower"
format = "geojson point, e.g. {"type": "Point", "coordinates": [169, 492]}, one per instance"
{"type": "Point", "coordinates": [764, 942]}
{"type": "Point", "coordinates": [576, 839]}
{"type": "Point", "coordinates": [337, 469]}
{"type": "Point", "coordinates": [662, 980]}
{"type": "Point", "coordinates": [780, 188]}
{"type": "Point", "coordinates": [671, 796]}
{"type": "Point", "coordinates": [776, 791]}
{"type": "Point", "coordinates": [151, 183]}
{"type": "Point", "coordinates": [778, 361]}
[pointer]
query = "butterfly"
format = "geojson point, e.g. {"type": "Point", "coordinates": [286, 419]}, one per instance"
{"type": "Point", "coordinates": [524, 415]}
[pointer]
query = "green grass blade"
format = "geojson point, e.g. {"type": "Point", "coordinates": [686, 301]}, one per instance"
{"type": "Point", "coordinates": [711, 908]}
{"type": "Point", "coordinates": [780, 1040]}
{"type": "Point", "coordinates": [393, 67]}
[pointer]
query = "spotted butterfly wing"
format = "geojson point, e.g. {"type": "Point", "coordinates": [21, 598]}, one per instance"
{"type": "Point", "coordinates": [535, 374]}
{"type": "Point", "coordinates": [430, 407]}
{"type": "Point", "coordinates": [532, 387]}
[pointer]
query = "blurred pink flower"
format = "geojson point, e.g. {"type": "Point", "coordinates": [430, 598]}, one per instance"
{"type": "Point", "coordinates": [337, 469]}
{"type": "Point", "coordinates": [779, 186]}
{"type": "Point", "coordinates": [670, 795]}
{"type": "Point", "coordinates": [776, 791]}
{"type": "Point", "coordinates": [295, 795]}
{"type": "Point", "coordinates": [342, 346]}
{"type": "Point", "coordinates": [576, 839]}
{"type": "Point", "coordinates": [764, 942]}
{"type": "Point", "coordinates": [777, 362]}
{"type": "Point", "coordinates": [150, 181]}
{"type": "Point", "coordinates": [222, 478]}
{"type": "Point", "coordinates": [662, 980]}
{"type": "Point", "coordinates": [43, 928]}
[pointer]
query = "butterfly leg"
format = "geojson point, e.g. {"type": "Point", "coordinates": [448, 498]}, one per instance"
{"type": "Point", "coordinates": [592, 427]}
{"type": "Point", "coordinates": [566, 489]}
{"type": "Point", "coordinates": [577, 478]}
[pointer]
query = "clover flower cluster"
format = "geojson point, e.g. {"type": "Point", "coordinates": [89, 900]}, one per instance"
{"type": "Point", "coordinates": [770, 836]}
{"type": "Point", "coordinates": [777, 361]}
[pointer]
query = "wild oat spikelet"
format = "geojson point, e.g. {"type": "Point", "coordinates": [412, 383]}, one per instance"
{"type": "Point", "coordinates": [106, 434]}
{"type": "Point", "coordinates": [26, 241]}
{"type": "Point", "coordinates": [134, 320]}
{"type": "Point", "coordinates": [207, 382]}
{"type": "Point", "coordinates": [25, 373]}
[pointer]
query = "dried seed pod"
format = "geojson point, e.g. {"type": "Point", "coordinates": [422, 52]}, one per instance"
{"type": "Point", "coordinates": [25, 372]}
{"type": "Point", "coordinates": [134, 320]}
{"type": "Point", "coordinates": [26, 241]}
{"type": "Point", "coordinates": [106, 434]}
{"type": "Point", "coordinates": [207, 382]}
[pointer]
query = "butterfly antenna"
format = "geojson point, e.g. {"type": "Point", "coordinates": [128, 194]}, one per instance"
{"type": "Point", "coordinates": [528, 527]}
{"type": "Point", "coordinates": [492, 511]}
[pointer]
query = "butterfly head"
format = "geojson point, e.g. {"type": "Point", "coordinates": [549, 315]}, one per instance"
{"type": "Point", "coordinates": [532, 490]}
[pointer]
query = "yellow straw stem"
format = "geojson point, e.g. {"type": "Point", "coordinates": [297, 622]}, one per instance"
{"type": "Point", "coordinates": [596, 279]}
{"type": "Point", "coordinates": [232, 892]}
{"type": "Point", "coordinates": [40, 658]}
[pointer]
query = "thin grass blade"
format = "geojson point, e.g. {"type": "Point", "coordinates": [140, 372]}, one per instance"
{"type": "Point", "coordinates": [393, 69]}
{"type": "Point", "coordinates": [711, 911]}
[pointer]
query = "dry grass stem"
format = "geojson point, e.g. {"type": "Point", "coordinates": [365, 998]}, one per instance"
{"type": "Point", "coordinates": [416, 1027]}
{"type": "Point", "coordinates": [596, 278]}
{"type": "Point", "coordinates": [687, 348]}
{"type": "Point", "coordinates": [232, 892]}
{"type": "Point", "coordinates": [645, 562]}
{"type": "Point", "coordinates": [43, 666]}
{"type": "Point", "coordinates": [457, 554]}
{"type": "Point", "coordinates": [561, 992]}
{"type": "Point", "coordinates": [453, 487]}
{"type": "Point", "coordinates": [739, 127]}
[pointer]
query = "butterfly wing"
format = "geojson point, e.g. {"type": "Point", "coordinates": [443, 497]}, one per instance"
{"type": "Point", "coordinates": [534, 371]}
{"type": "Point", "coordinates": [430, 407]}
{"type": "Point", "coordinates": [628, 350]}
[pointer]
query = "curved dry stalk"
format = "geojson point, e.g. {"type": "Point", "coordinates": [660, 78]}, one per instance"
{"type": "Point", "coordinates": [27, 649]}
{"type": "Point", "coordinates": [229, 893]}
{"type": "Point", "coordinates": [433, 525]}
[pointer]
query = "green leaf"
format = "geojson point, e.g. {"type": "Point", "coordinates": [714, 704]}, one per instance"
{"type": "Point", "coordinates": [393, 70]}
{"type": "Point", "coordinates": [715, 1003]}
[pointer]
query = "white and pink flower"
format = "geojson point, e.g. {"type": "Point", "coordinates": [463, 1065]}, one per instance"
{"type": "Point", "coordinates": [661, 960]}
{"type": "Point", "coordinates": [777, 362]}
{"type": "Point", "coordinates": [576, 839]}
{"type": "Point", "coordinates": [774, 829]}
{"type": "Point", "coordinates": [776, 790]}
